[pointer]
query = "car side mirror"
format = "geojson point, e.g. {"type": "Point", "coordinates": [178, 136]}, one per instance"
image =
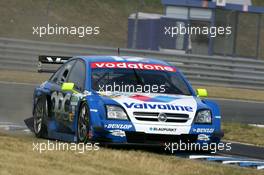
{"type": "Point", "coordinates": [68, 87]}
{"type": "Point", "coordinates": [202, 93]}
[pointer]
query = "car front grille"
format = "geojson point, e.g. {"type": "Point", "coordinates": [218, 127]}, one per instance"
{"type": "Point", "coordinates": [153, 117]}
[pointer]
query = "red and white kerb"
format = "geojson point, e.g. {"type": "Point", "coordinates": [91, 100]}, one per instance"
{"type": "Point", "coordinates": [133, 65]}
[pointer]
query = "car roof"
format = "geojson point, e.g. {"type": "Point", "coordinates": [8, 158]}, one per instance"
{"type": "Point", "coordinates": [122, 59]}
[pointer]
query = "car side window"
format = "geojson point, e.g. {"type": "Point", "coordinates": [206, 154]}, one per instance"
{"type": "Point", "coordinates": [61, 75]}
{"type": "Point", "coordinates": [54, 77]}
{"type": "Point", "coordinates": [77, 75]}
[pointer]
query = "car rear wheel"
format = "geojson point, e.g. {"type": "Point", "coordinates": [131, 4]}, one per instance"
{"type": "Point", "coordinates": [83, 124]}
{"type": "Point", "coordinates": [40, 113]}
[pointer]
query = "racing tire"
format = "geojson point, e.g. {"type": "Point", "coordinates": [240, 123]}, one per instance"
{"type": "Point", "coordinates": [83, 124]}
{"type": "Point", "coordinates": [39, 116]}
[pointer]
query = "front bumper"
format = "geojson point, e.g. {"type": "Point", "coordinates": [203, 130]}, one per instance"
{"type": "Point", "coordinates": [141, 137]}
{"type": "Point", "coordinates": [133, 137]}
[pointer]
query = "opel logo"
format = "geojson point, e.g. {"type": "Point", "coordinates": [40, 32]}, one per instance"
{"type": "Point", "coordinates": [162, 117]}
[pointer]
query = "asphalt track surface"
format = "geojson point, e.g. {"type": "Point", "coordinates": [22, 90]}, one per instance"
{"type": "Point", "coordinates": [242, 111]}
{"type": "Point", "coordinates": [16, 102]}
{"type": "Point", "coordinates": [16, 105]}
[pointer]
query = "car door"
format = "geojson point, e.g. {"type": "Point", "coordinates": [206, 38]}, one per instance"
{"type": "Point", "coordinates": [76, 76]}
{"type": "Point", "coordinates": [60, 100]}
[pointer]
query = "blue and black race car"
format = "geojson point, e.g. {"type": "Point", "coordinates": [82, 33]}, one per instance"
{"type": "Point", "coordinates": [121, 99]}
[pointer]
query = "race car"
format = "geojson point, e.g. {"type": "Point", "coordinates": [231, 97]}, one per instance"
{"type": "Point", "coordinates": [123, 100]}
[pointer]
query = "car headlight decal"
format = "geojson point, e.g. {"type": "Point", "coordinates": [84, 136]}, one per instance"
{"type": "Point", "coordinates": [116, 112]}
{"type": "Point", "coordinates": [203, 117]}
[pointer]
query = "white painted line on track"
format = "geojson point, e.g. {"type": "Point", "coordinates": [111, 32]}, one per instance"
{"type": "Point", "coordinates": [199, 156]}
{"type": "Point", "coordinates": [12, 127]}
{"type": "Point", "coordinates": [17, 83]}
{"type": "Point", "coordinates": [5, 123]}
{"type": "Point", "coordinates": [260, 167]}
{"type": "Point", "coordinates": [26, 130]}
{"type": "Point", "coordinates": [242, 143]}
{"type": "Point", "coordinates": [241, 161]}
{"type": "Point", "coordinates": [237, 100]}
{"type": "Point", "coordinates": [257, 125]}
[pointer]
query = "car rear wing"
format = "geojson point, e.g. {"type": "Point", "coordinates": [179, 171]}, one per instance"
{"type": "Point", "coordinates": [50, 60]}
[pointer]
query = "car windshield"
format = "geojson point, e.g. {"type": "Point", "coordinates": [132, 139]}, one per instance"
{"type": "Point", "coordinates": [138, 81]}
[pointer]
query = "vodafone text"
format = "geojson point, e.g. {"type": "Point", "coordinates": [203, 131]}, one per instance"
{"type": "Point", "coordinates": [133, 65]}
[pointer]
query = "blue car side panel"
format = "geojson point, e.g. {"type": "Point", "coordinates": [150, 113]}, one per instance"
{"type": "Point", "coordinates": [45, 90]}
{"type": "Point", "coordinates": [216, 114]}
